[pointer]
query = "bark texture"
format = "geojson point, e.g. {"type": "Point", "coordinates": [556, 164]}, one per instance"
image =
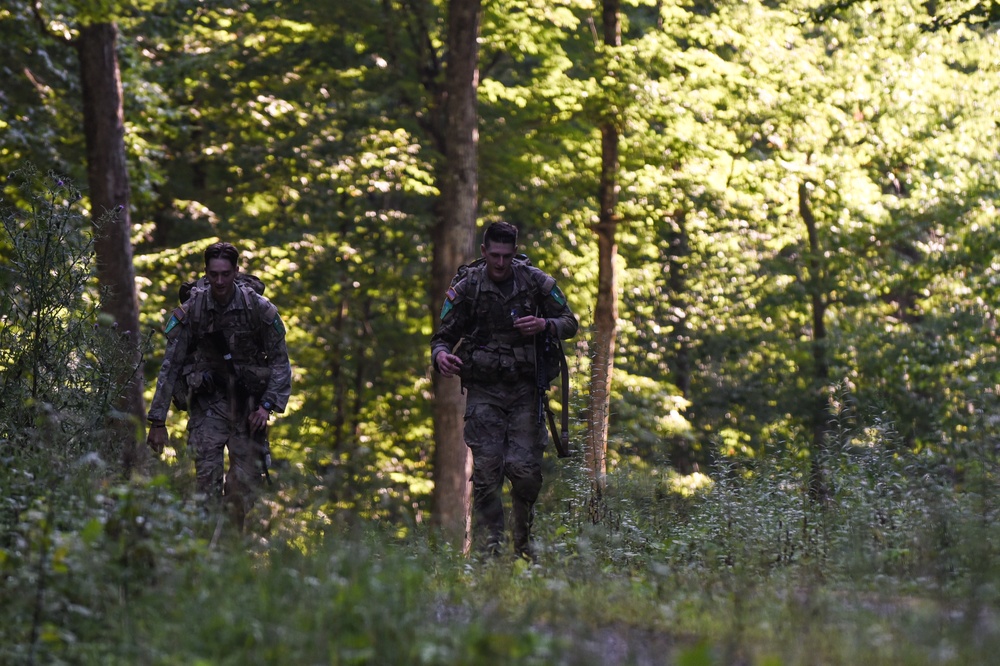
{"type": "Point", "coordinates": [454, 244]}
{"type": "Point", "coordinates": [606, 308]}
{"type": "Point", "coordinates": [107, 177]}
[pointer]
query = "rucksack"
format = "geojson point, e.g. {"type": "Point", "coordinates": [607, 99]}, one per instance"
{"type": "Point", "coordinates": [252, 281]}
{"type": "Point", "coordinates": [465, 270]}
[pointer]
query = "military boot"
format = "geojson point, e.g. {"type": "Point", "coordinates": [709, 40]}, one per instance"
{"type": "Point", "coordinates": [522, 518]}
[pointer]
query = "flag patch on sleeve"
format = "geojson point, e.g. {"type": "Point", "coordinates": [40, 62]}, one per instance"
{"type": "Point", "coordinates": [449, 302]}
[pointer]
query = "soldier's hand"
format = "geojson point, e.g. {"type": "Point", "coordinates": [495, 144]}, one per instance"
{"type": "Point", "coordinates": [448, 364]}
{"type": "Point", "coordinates": [530, 325]}
{"type": "Point", "coordinates": [157, 438]}
{"type": "Point", "coordinates": [258, 419]}
{"type": "Point", "coordinates": [207, 383]}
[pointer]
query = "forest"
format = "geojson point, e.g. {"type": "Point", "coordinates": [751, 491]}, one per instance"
{"type": "Point", "coordinates": [775, 220]}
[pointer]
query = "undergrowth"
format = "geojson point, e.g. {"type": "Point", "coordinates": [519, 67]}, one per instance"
{"type": "Point", "coordinates": [895, 566]}
{"type": "Point", "coordinates": [130, 575]}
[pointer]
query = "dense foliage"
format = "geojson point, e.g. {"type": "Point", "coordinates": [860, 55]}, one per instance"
{"type": "Point", "coordinates": [308, 136]}
{"type": "Point", "coordinates": [807, 245]}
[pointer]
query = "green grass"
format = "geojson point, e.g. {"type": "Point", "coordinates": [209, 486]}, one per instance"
{"type": "Point", "coordinates": [748, 571]}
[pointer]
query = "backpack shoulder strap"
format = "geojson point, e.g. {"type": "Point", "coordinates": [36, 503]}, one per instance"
{"type": "Point", "coordinates": [262, 309]}
{"type": "Point", "coordinates": [467, 280]}
{"type": "Point", "coordinates": [263, 313]}
{"type": "Point", "coordinates": [540, 283]}
{"type": "Point", "coordinates": [196, 306]}
{"type": "Point", "coordinates": [251, 281]}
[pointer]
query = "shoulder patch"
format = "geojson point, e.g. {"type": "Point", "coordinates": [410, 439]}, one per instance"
{"type": "Point", "coordinates": [176, 317]}
{"type": "Point", "coordinates": [557, 295]}
{"type": "Point", "coordinates": [278, 325]}
{"type": "Point", "coordinates": [449, 301]}
{"type": "Point", "coordinates": [547, 284]}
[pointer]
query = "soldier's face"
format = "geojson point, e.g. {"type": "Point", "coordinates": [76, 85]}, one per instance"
{"type": "Point", "coordinates": [498, 257]}
{"type": "Point", "coordinates": [221, 277]}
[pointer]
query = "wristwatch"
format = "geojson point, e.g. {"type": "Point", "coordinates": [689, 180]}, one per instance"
{"type": "Point", "coordinates": [267, 405]}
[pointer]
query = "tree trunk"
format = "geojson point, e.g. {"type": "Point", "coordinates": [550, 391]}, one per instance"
{"type": "Point", "coordinates": [454, 244]}
{"type": "Point", "coordinates": [677, 255]}
{"type": "Point", "coordinates": [606, 309]}
{"type": "Point", "coordinates": [821, 365]}
{"type": "Point", "coordinates": [107, 176]}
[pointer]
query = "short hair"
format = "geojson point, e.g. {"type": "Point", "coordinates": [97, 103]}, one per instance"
{"type": "Point", "coordinates": [500, 232]}
{"type": "Point", "coordinates": [225, 251]}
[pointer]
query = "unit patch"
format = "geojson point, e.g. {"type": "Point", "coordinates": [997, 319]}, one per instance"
{"type": "Point", "coordinates": [176, 317]}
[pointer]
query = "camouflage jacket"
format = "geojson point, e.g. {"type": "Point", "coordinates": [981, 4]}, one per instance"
{"type": "Point", "coordinates": [255, 337]}
{"type": "Point", "coordinates": [477, 324]}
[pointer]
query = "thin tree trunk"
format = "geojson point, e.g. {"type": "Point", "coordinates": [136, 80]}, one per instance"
{"type": "Point", "coordinates": [454, 243]}
{"type": "Point", "coordinates": [678, 251]}
{"type": "Point", "coordinates": [337, 406]}
{"type": "Point", "coordinates": [606, 309]}
{"type": "Point", "coordinates": [107, 176]}
{"type": "Point", "coordinates": [821, 364]}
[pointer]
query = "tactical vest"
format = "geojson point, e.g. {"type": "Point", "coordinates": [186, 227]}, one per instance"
{"type": "Point", "coordinates": [242, 327]}
{"type": "Point", "coordinates": [495, 350]}
{"type": "Point", "coordinates": [242, 333]}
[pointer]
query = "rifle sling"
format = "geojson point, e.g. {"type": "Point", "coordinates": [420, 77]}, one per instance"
{"type": "Point", "coordinates": [218, 340]}
{"type": "Point", "coordinates": [564, 436]}
{"type": "Point", "coordinates": [561, 438]}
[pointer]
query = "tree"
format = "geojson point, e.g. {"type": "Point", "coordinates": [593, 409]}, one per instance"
{"type": "Point", "coordinates": [941, 15]}
{"type": "Point", "coordinates": [606, 308]}
{"type": "Point", "coordinates": [454, 236]}
{"type": "Point", "coordinates": [322, 138]}
{"type": "Point", "coordinates": [39, 123]}
{"type": "Point", "coordinates": [840, 290]}
{"type": "Point", "coordinates": [107, 176]}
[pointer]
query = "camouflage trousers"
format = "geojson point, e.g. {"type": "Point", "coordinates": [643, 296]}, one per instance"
{"type": "Point", "coordinates": [209, 436]}
{"type": "Point", "coordinates": [506, 441]}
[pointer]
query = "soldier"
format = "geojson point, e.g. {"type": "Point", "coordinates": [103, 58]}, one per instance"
{"type": "Point", "coordinates": [226, 363]}
{"type": "Point", "coordinates": [492, 319]}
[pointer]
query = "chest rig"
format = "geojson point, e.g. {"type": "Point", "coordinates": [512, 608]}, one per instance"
{"type": "Point", "coordinates": [494, 350]}
{"type": "Point", "coordinates": [239, 324]}
{"type": "Point", "coordinates": [236, 330]}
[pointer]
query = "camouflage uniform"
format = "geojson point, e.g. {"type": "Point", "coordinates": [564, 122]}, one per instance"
{"type": "Point", "coordinates": [502, 429]}
{"type": "Point", "coordinates": [196, 375]}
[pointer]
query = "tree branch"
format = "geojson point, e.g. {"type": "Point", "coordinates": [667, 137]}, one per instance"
{"type": "Point", "coordinates": [43, 25]}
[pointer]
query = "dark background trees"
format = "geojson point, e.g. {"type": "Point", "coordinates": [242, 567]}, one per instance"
{"type": "Point", "coordinates": [804, 208]}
